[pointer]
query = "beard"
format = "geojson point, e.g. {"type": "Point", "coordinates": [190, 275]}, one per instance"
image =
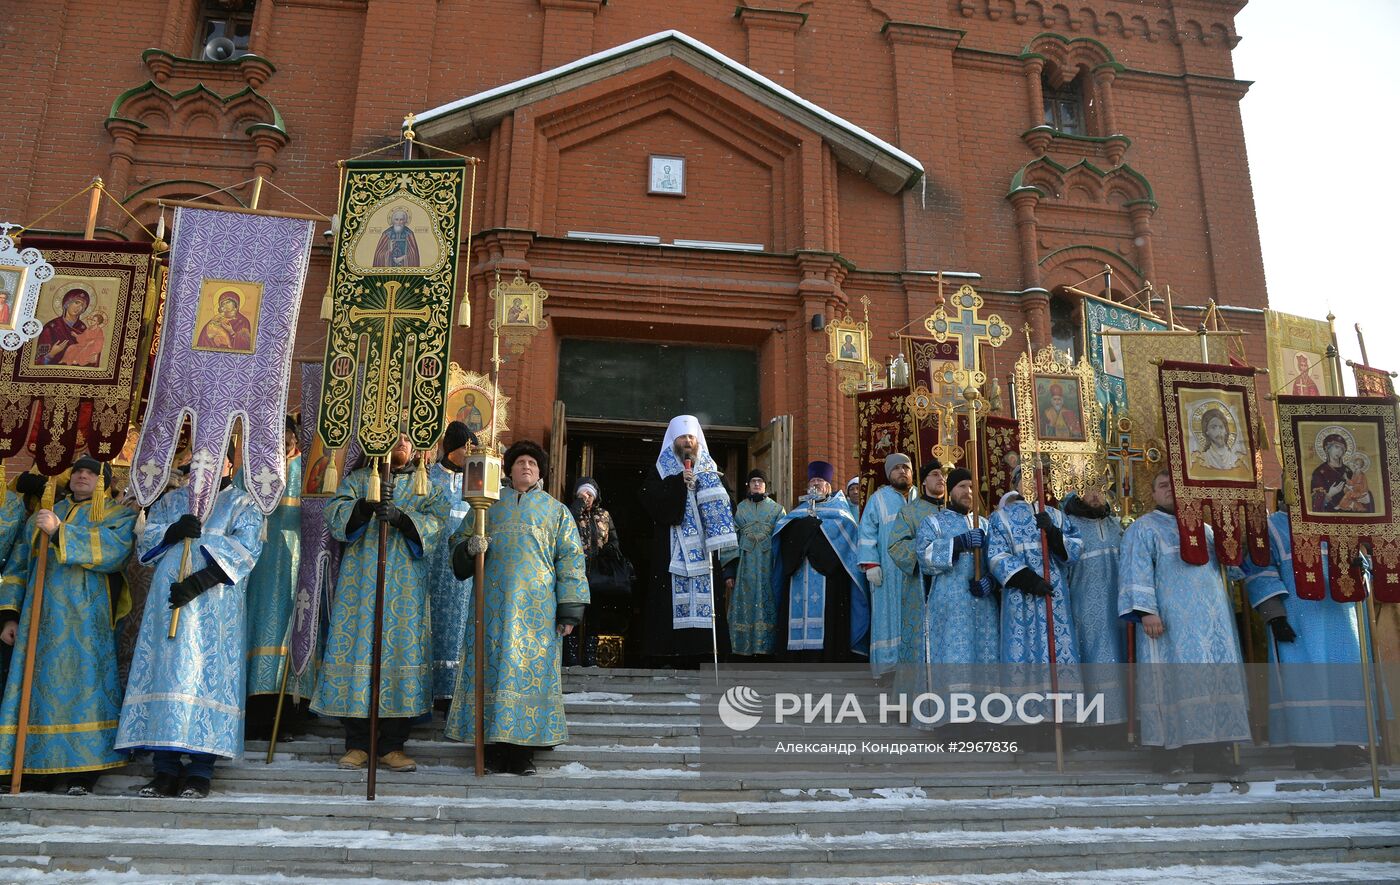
{"type": "Point", "coordinates": [901, 485]}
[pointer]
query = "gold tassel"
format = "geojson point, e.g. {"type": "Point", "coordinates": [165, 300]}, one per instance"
{"type": "Point", "coordinates": [372, 492]}
{"type": "Point", "coordinates": [50, 489]}
{"type": "Point", "coordinates": [330, 480]}
{"type": "Point", "coordinates": [420, 479]}
{"type": "Point", "coordinates": [1261, 433]}
{"type": "Point", "coordinates": [4, 492]}
{"type": "Point", "coordinates": [464, 310]}
{"type": "Point", "coordinates": [99, 498]}
{"type": "Point", "coordinates": [328, 300]}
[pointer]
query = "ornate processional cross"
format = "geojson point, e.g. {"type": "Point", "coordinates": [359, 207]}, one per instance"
{"type": "Point", "coordinates": [390, 314]}
{"type": "Point", "coordinates": [965, 324]}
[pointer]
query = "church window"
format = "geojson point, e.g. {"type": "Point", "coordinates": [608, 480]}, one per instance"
{"type": "Point", "coordinates": [1064, 327]}
{"type": "Point", "coordinates": [224, 29]}
{"type": "Point", "coordinates": [1064, 106]}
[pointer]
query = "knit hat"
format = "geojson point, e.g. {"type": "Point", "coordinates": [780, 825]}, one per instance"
{"type": "Point", "coordinates": [756, 474]}
{"type": "Point", "coordinates": [930, 465]}
{"type": "Point", "coordinates": [957, 475]}
{"type": "Point", "coordinates": [456, 436]}
{"type": "Point", "coordinates": [894, 460]}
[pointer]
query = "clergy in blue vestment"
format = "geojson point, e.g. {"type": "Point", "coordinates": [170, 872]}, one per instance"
{"type": "Point", "coordinates": [1315, 689]}
{"type": "Point", "coordinates": [75, 698]}
{"type": "Point", "coordinates": [752, 612]}
{"type": "Point", "coordinates": [415, 524]}
{"type": "Point", "coordinates": [933, 489]}
{"type": "Point", "coordinates": [272, 591]}
{"type": "Point", "coordinates": [535, 590]}
{"type": "Point", "coordinates": [12, 517]}
{"type": "Point", "coordinates": [958, 641]}
{"type": "Point", "coordinates": [855, 497]}
{"type": "Point", "coordinates": [1093, 597]}
{"type": "Point", "coordinates": [1015, 554]}
{"type": "Point", "coordinates": [819, 588]}
{"type": "Point", "coordinates": [877, 525]}
{"type": "Point", "coordinates": [449, 598]}
{"type": "Point", "coordinates": [1190, 680]}
{"type": "Point", "coordinates": [186, 695]}
{"type": "Point", "coordinates": [690, 510]}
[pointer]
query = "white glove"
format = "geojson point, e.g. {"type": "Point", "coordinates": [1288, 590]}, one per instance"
{"type": "Point", "coordinates": [875, 576]}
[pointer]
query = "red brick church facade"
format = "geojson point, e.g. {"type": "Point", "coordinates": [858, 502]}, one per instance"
{"type": "Point", "coordinates": [832, 150]}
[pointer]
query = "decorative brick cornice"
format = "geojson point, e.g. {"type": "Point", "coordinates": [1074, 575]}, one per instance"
{"type": "Point", "coordinates": [251, 70]}
{"type": "Point", "coordinates": [576, 5]}
{"type": "Point", "coordinates": [761, 17]}
{"type": "Point", "coordinates": [916, 34]}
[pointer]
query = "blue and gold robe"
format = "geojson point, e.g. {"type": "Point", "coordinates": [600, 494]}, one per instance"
{"type": "Point", "coordinates": [1315, 687]}
{"type": "Point", "coordinates": [1190, 680]}
{"type": "Point", "coordinates": [186, 694]}
{"type": "Point", "coordinates": [752, 612]}
{"type": "Point", "coordinates": [448, 597]}
{"type": "Point", "coordinates": [405, 683]}
{"type": "Point", "coordinates": [534, 564]}
{"type": "Point", "coordinates": [906, 559]}
{"type": "Point", "coordinates": [878, 522]}
{"type": "Point", "coordinates": [1013, 543]}
{"type": "Point", "coordinates": [803, 624]}
{"type": "Point", "coordinates": [1093, 596]}
{"type": "Point", "coordinates": [957, 643]}
{"type": "Point", "coordinates": [272, 590]}
{"type": "Point", "coordinates": [12, 516]}
{"type": "Point", "coordinates": [75, 699]}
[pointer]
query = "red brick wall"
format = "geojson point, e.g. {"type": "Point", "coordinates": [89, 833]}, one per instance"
{"type": "Point", "coordinates": [347, 71]}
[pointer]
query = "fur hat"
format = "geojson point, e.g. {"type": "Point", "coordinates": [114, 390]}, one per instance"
{"type": "Point", "coordinates": [527, 447]}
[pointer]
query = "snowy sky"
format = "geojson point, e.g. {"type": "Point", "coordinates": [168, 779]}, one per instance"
{"type": "Point", "coordinates": [1320, 124]}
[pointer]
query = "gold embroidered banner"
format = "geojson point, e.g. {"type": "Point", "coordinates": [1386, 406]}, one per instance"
{"type": "Point", "coordinates": [1297, 355]}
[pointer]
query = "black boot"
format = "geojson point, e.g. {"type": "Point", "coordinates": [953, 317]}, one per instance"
{"type": "Point", "coordinates": [571, 650]}
{"type": "Point", "coordinates": [82, 784]}
{"type": "Point", "coordinates": [523, 761]}
{"type": "Point", "coordinates": [195, 788]}
{"type": "Point", "coordinates": [162, 785]}
{"type": "Point", "coordinates": [1217, 759]}
{"type": "Point", "coordinates": [589, 658]}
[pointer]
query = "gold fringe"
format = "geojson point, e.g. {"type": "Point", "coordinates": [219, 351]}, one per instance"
{"type": "Point", "coordinates": [3, 491]}
{"type": "Point", "coordinates": [420, 479]}
{"type": "Point", "coordinates": [50, 489]}
{"type": "Point", "coordinates": [99, 498]}
{"type": "Point", "coordinates": [372, 492]}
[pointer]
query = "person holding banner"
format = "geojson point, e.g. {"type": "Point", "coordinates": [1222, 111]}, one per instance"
{"type": "Point", "coordinates": [1093, 595]}
{"type": "Point", "coordinates": [535, 589]}
{"type": "Point", "coordinates": [75, 698]}
{"type": "Point", "coordinates": [416, 523]}
{"type": "Point", "coordinates": [1315, 695]}
{"type": "Point", "coordinates": [877, 526]}
{"type": "Point", "coordinates": [1190, 679]}
{"type": "Point", "coordinates": [185, 695]}
{"type": "Point", "coordinates": [933, 492]}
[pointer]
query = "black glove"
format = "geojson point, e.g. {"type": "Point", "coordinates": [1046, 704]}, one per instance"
{"type": "Point", "coordinates": [1053, 534]}
{"type": "Point", "coordinates": [1283, 631]}
{"type": "Point", "coordinates": [385, 511]}
{"type": "Point", "coordinates": [569, 613]}
{"type": "Point", "coordinates": [969, 540]}
{"type": "Point", "coordinates": [1027, 581]}
{"type": "Point", "coordinates": [463, 563]}
{"type": "Point", "coordinates": [1363, 563]}
{"type": "Point", "coordinates": [982, 587]}
{"type": "Point", "coordinates": [361, 513]}
{"type": "Point", "coordinates": [182, 592]}
{"type": "Point", "coordinates": [31, 484]}
{"type": "Point", "coordinates": [185, 527]}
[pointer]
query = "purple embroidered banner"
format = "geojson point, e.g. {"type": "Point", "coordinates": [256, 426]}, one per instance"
{"type": "Point", "coordinates": [225, 352]}
{"type": "Point", "coordinates": [320, 553]}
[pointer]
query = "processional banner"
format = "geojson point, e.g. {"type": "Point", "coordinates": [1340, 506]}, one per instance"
{"type": "Point", "coordinates": [1143, 352]}
{"type": "Point", "coordinates": [1001, 455]}
{"type": "Point", "coordinates": [320, 553]}
{"type": "Point", "coordinates": [1341, 466]}
{"type": "Point", "coordinates": [1210, 414]}
{"type": "Point", "coordinates": [70, 388]}
{"type": "Point", "coordinates": [1058, 419]}
{"type": "Point", "coordinates": [1297, 355]}
{"type": "Point", "coordinates": [393, 279]}
{"type": "Point", "coordinates": [225, 353]}
{"type": "Point", "coordinates": [1371, 381]}
{"type": "Point", "coordinates": [23, 271]}
{"type": "Point", "coordinates": [1103, 321]}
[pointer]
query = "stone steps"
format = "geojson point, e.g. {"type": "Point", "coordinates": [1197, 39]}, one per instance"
{"type": "Point", "coordinates": [364, 854]}
{"type": "Point", "coordinates": [632, 798]}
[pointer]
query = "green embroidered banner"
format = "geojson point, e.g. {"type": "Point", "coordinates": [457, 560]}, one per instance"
{"type": "Point", "coordinates": [394, 277]}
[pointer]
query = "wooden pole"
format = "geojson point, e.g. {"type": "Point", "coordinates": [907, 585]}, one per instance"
{"type": "Point", "coordinates": [1361, 340]}
{"type": "Point", "coordinates": [257, 193]}
{"type": "Point", "coordinates": [973, 396]}
{"type": "Point", "coordinates": [1364, 636]}
{"type": "Point", "coordinates": [184, 573]}
{"type": "Point", "coordinates": [1049, 616]}
{"type": "Point", "coordinates": [35, 609]}
{"type": "Point", "coordinates": [94, 203]}
{"type": "Point", "coordinates": [286, 667]}
{"type": "Point", "coordinates": [376, 652]}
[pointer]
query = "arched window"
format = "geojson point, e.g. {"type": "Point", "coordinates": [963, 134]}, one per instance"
{"type": "Point", "coordinates": [219, 21]}
{"type": "Point", "coordinates": [1064, 105]}
{"type": "Point", "coordinates": [1065, 326]}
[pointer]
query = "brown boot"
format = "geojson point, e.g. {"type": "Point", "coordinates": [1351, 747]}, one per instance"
{"type": "Point", "coordinates": [398, 761]}
{"type": "Point", "coordinates": [354, 759]}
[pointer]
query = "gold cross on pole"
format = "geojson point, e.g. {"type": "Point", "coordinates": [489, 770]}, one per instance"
{"type": "Point", "coordinates": [388, 315]}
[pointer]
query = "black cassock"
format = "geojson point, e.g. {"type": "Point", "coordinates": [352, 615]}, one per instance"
{"type": "Point", "coordinates": [802, 540]}
{"type": "Point", "coordinates": [664, 502]}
